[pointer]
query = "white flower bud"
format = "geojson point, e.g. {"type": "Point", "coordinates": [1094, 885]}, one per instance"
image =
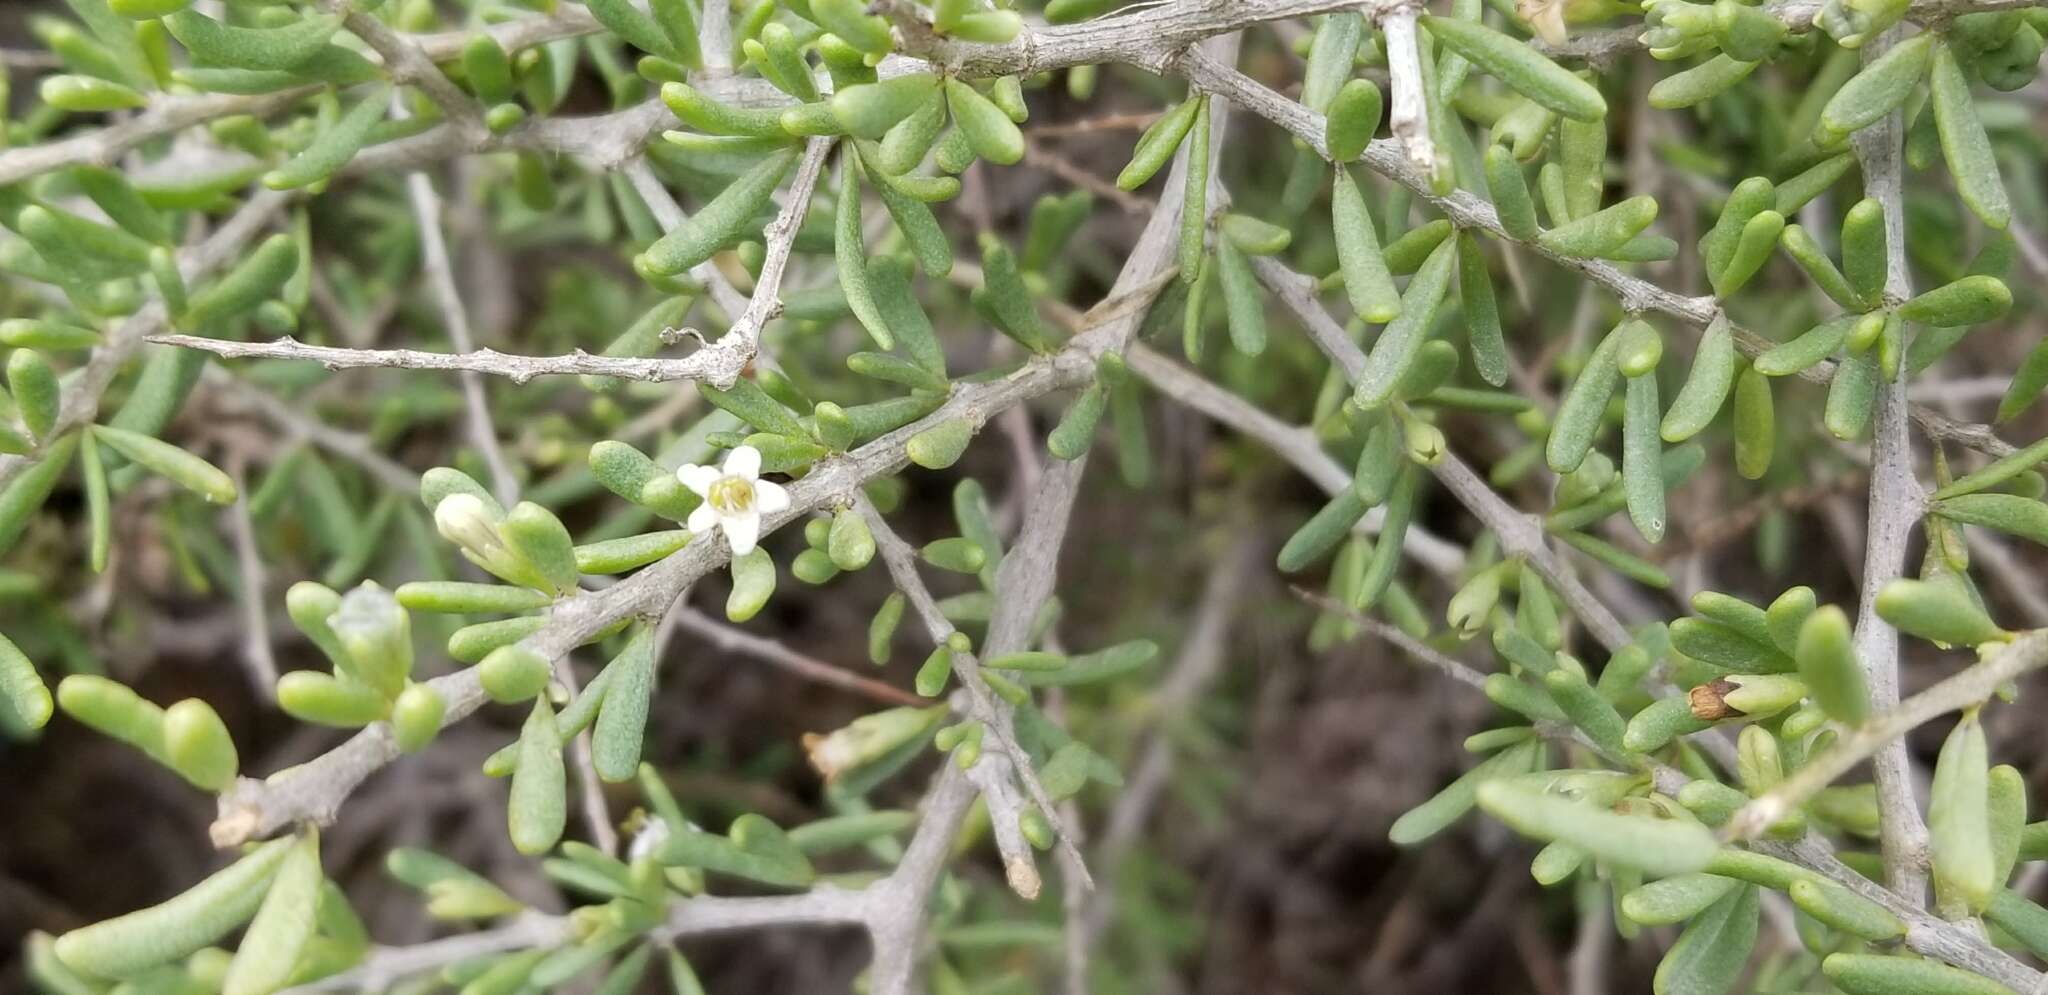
{"type": "Point", "coordinates": [463, 520]}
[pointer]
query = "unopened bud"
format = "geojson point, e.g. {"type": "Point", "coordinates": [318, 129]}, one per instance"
{"type": "Point", "coordinates": [1036, 828]}
{"type": "Point", "coordinates": [377, 634]}
{"type": "Point", "coordinates": [1425, 442]}
{"type": "Point", "coordinates": [1474, 603]}
{"type": "Point", "coordinates": [463, 520]}
{"type": "Point", "coordinates": [1852, 22]}
{"type": "Point", "coordinates": [1674, 28]}
{"type": "Point", "coordinates": [1758, 762]}
{"type": "Point", "coordinates": [468, 898]}
{"type": "Point", "coordinates": [867, 739]}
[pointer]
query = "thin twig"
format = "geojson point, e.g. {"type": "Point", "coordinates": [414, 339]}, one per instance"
{"type": "Point", "coordinates": [1295, 444]}
{"type": "Point", "coordinates": [991, 774]}
{"type": "Point", "coordinates": [670, 216]}
{"type": "Point", "coordinates": [1519, 533]}
{"type": "Point", "coordinates": [1968, 687]}
{"type": "Point", "coordinates": [734, 639]}
{"type": "Point", "coordinates": [1466, 210]}
{"type": "Point", "coordinates": [1601, 47]}
{"type": "Point", "coordinates": [1093, 125]}
{"type": "Point", "coordinates": [165, 115]}
{"type": "Point", "coordinates": [1060, 166]}
{"type": "Point", "coordinates": [1452, 667]}
{"type": "Point", "coordinates": [383, 966]}
{"type": "Point", "coordinates": [1955, 943]}
{"type": "Point", "coordinates": [2019, 581]}
{"type": "Point", "coordinates": [490, 362]}
{"type": "Point", "coordinates": [315, 790]}
{"type": "Point", "coordinates": [1896, 500]}
{"type": "Point", "coordinates": [1408, 117]}
{"type": "Point", "coordinates": [256, 651]}
{"type": "Point", "coordinates": [483, 430]}
{"type": "Point", "coordinates": [895, 906]}
{"type": "Point", "coordinates": [407, 64]}
{"type": "Point", "coordinates": [351, 446]}
{"type": "Point", "coordinates": [731, 353]}
{"type": "Point", "coordinates": [597, 816]}
{"type": "Point", "coordinates": [1951, 943]}
{"type": "Point", "coordinates": [513, 36]}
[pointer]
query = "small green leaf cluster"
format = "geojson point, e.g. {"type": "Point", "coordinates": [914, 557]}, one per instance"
{"type": "Point", "coordinates": [1788, 676]}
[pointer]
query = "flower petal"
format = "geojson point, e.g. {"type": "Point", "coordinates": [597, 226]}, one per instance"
{"type": "Point", "coordinates": [741, 532]}
{"type": "Point", "coordinates": [702, 519]}
{"type": "Point", "coordinates": [698, 478]}
{"type": "Point", "coordinates": [770, 497]}
{"type": "Point", "coordinates": [743, 461]}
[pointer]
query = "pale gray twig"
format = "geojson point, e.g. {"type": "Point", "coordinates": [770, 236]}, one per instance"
{"type": "Point", "coordinates": [1408, 115]}
{"type": "Point", "coordinates": [1519, 533]}
{"type": "Point", "coordinates": [2017, 579]}
{"type": "Point", "coordinates": [1295, 444]}
{"type": "Point", "coordinates": [1600, 47]}
{"type": "Point", "coordinates": [407, 64]}
{"type": "Point", "coordinates": [1450, 666]}
{"type": "Point", "coordinates": [1024, 582]}
{"type": "Point", "coordinates": [382, 967]}
{"type": "Point", "coordinates": [518, 369]}
{"type": "Point", "coordinates": [1466, 210]}
{"type": "Point", "coordinates": [597, 815]}
{"type": "Point", "coordinates": [732, 638]}
{"type": "Point", "coordinates": [165, 114]}
{"type": "Point", "coordinates": [714, 38]}
{"type": "Point", "coordinates": [514, 36]}
{"type": "Point", "coordinates": [991, 774]}
{"type": "Point", "coordinates": [483, 429]}
{"type": "Point", "coordinates": [1896, 502]}
{"type": "Point", "coordinates": [1971, 686]}
{"type": "Point", "coordinates": [894, 907]}
{"type": "Point", "coordinates": [315, 790]}
{"type": "Point", "coordinates": [29, 59]}
{"type": "Point", "coordinates": [670, 215]}
{"type": "Point", "coordinates": [1145, 36]}
{"type": "Point", "coordinates": [352, 446]}
{"type": "Point", "coordinates": [253, 595]}
{"type": "Point", "coordinates": [1953, 943]}
{"type": "Point", "coordinates": [724, 358]}
{"type": "Point", "coordinates": [718, 363]}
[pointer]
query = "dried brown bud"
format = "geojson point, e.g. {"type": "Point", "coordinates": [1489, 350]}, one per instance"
{"type": "Point", "coordinates": [1709, 701]}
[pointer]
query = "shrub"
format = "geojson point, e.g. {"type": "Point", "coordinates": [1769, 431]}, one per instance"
{"type": "Point", "coordinates": [1788, 212]}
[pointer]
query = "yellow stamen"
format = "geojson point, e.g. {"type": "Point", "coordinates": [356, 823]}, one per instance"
{"type": "Point", "coordinates": [732, 495]}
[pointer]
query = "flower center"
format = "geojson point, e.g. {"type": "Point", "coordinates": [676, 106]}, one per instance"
{"type": "Point", "coordinates": [732, 495]}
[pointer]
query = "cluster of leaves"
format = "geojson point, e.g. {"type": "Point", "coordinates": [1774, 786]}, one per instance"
{"type": "Point", "coordinates": [1617, 769]}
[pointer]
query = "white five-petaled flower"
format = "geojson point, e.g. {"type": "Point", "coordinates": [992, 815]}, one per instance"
{"type": "Point", "coordinates": [735, 497]}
